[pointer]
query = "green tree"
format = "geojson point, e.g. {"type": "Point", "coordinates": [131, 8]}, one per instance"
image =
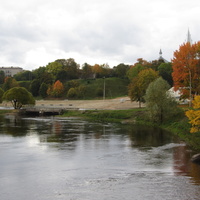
{"type": "Point", "coordinates": [72, 93]}
{"type": "Point", "coordinates": [43, 90]}
{"type": "Point", "coordinates": [2, 77]}
{"type": "Point", "coordinates": [1, 94]}
{"type": "Point", "coordinates": [34, 87]}
{"type": "Point", "coordinates": [121, 70]}
{"type": "Point", "coordinates": [165, 71]}
{"type": "Point", "coordinates": [43, 76]}
{"type": "Point", "coordinates": [86, 72]}
{"type": "Point", "coordinates": [24, 76]}
{"type": "Point", "coordinates": [9, 83]}
{"type": "Point", "coordinates": [139, 84]}
{"type": "Point", "coordinates": [18, 96]}
{"type": "Point", "coordinates": [71, 67]}
{"type": "Point", "coordinates": [160, 105]}
{"type": "Point", "coordinates": [135, 70]}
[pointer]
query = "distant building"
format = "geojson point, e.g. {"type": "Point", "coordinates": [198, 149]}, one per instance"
{"type": "Point", "coordinates": [161, 59]}
{"type": "Point", "coordinates": [11, 71]}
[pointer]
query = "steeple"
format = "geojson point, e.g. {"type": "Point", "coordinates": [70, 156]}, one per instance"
{"type": "Point", "coordinates": [161, 59]}
{"type": "Point", "coordinates": [189, 39]}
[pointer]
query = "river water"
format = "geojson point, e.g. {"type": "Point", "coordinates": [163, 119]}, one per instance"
{"type": "Point", "coordinates": [72, 159]}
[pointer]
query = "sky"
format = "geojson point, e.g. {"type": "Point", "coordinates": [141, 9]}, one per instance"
{"type": "Point", "coordinates": [34, 33]}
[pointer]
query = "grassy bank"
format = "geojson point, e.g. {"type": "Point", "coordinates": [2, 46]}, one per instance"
{"type": "Point", "coordinates": [5, 111]}
{"type": "Point", "coordinates": [107, 115]}
{"type": "Point", "coordinates": [178, 125]}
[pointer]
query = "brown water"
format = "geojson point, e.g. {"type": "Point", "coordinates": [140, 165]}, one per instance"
{"type": "Point", "coordinates": [72, 159]}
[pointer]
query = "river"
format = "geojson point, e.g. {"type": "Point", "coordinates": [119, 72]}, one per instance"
{"type": "Point", "coordinates": [72, 159]}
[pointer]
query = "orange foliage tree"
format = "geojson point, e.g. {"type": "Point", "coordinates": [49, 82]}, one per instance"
{"type": "Point", "coordinates": [56, 89]}
{"type": "Point", "coordinates": [186, 70]}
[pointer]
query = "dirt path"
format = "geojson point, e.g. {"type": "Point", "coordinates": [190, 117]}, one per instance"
{"type": "Point", "coordinates": [122, 103]}
{"type": "Point", "coordinates": [111, 104]}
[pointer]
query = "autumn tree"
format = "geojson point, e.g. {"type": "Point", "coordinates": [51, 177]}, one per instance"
{"type": "Point", "coordinates": [18, 96]}
{"type": "Point", "coordinates": [160, 105]}
{"type": "Point", "coordinates": [56, 90]}
{"type": "Point", "coordinates": [186, 70]}
{"type": "Point", "coordinates": [194, 115]}
{"type": "Point", "coordinates": [139, 84]}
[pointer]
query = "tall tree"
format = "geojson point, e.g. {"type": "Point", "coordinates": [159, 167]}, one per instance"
{"type": "Point", "coordinates": [139, 84]}
{"type": "Point", "coordinates": [186, 72]}
{"type": "Point", "coordinates": [159, 103]}
{"type": "Point", "coordinates": [86, 71]}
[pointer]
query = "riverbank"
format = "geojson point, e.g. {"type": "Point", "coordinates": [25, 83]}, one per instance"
{"type": "Point", "coordinates": [132, 114]}
{"type": "Point", "coordinates": [179, 125]}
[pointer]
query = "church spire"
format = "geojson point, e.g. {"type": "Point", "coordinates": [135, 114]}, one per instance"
{"type": "Point", "coordinates": [189, 39]}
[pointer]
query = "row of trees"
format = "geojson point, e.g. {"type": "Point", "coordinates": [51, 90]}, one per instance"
{"type": "Point", "coordinates": [57, 79]}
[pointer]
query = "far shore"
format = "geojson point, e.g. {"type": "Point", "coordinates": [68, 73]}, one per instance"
{"type": "Point", "coordinates": [123, 103]}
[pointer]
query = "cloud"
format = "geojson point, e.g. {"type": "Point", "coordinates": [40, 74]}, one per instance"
{"type": "Point", "coordinates": [36, 32]}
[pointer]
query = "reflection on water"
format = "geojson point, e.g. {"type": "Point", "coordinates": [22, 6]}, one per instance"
{"type": "Point", "coordinates": [56, 158]}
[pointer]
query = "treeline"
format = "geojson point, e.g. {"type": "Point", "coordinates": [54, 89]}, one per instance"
{"type": "Point", "coordinates": [64, 78]}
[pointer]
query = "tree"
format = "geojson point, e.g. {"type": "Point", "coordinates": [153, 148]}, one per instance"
{"type": "Point", "coordinates": [24, 76]}
{"type": "Point", "coordinates": [43, 76]}
{"type": "Point", "coordinates": [139, 84]}
{"type": "Point", "coordinates": [34, 87]}
{"type": "Point", "coordinates": [160, 105]}
{"type": "Point", "coordinates": [186, 70]}
{"type": "Point", "coordinates": [194, 115]}
{"type": "Point", "coordinates": [86, 71]}
{"type": "Point", "coordinates": [71, 67]}
{"type": "Point", "coordinates": [9, 83]}
{"type": "Point", "coordinates": [121, 70]}
{"type": "Point", "coordinates": [18, 96]}
{"type": "Point", "coordinates": [56, 89]}
{"type": "Point", "coordinates": [134, 70]}
{"type": "Point", "coordinates": [165, 71]}
{"type": "Point", "coordinates": [2, 77]}
{"type": "Point", "coordinates": [1, 94]}
{"type": "Point", "coordinates": [72, 93]}
{"type": "Point", "coordinates": [43, 90]}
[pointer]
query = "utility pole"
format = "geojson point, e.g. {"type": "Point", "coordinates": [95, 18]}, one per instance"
{"type": "Point", "coordinates": [104, 88]}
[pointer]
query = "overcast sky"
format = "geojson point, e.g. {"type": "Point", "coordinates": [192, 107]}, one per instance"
{"type": "Point", "coordinates": [36, 32]}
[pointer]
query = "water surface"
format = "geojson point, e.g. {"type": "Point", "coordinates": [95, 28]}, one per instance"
{"type": "Point", "coordinates": [52, 158]}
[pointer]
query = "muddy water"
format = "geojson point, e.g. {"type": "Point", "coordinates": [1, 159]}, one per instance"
{"type": "Point", "coordinates": [72, 159]}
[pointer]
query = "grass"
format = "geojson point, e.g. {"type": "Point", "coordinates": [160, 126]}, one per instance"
{"type": "Point", "coordinates": [5, 111]}
{"type": "Point", "coordinates": [114, 87]}
{"type": "Point", "coordinates": [178, 125]}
